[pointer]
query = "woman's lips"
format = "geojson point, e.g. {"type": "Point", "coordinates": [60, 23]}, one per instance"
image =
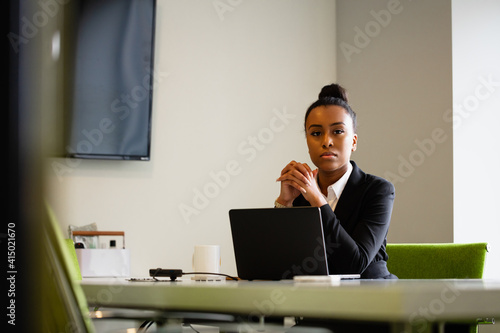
{"type": "Point", "coordinates": [328, 155]}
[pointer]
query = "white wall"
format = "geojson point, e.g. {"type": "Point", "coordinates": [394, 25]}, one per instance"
{"type": "Point", "coordinates": [395, 59]}
{"type": "Point", "coordinates": [476, 116]}
{"type": "Point", "coordinates": [234, 79]}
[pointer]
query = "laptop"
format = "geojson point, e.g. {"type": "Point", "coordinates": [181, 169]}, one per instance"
{"type": "Point", "coordinates": [278, 243]}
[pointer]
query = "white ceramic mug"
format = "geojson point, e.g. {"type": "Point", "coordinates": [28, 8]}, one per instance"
{"type": "Point", "coordinates": [206, 259]}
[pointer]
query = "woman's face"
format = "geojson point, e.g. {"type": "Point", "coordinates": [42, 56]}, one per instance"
{"type": "Point", "coordinates": [330, 137]}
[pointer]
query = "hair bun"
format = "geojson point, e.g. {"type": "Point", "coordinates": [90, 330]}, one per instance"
{"type": "Point", "coordinates": [333, 90]}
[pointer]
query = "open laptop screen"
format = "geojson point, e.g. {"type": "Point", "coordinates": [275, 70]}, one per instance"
{"type": "Point", "coordinates": [278, 243]}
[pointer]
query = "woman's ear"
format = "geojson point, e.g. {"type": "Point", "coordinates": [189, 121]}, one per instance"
{"type": "Point", "coordinates": [354, 142]}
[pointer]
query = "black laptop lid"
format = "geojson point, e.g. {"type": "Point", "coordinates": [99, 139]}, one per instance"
{"type": "Point", "coordinates": [278, 243]}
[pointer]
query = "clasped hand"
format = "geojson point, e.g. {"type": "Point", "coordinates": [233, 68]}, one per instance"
{"type": "Point", "coordinates": [298, 178]}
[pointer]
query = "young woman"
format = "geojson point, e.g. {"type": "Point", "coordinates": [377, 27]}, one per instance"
{"type": "Point", "coordinates": [355, 207]}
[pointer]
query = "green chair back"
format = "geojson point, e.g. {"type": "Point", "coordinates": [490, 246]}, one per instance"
{"type": "Point", "coordinates": [437, 261]}
{"type": "Point", "coordinates": [65, 307]}
{"type": "Point", "coordinates": [75, 271]}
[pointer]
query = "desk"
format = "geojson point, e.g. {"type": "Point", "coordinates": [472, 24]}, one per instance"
{"type": "Point", "coordinates": [410, 305]}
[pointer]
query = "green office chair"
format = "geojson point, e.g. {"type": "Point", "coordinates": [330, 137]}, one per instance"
{"type": "Point", "coordinates": [438, 261]}
{"type": "Point", "coordinates": [65, 306]}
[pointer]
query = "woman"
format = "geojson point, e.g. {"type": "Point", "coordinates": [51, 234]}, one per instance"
{"type": "Point", "coordinates": [355, 207]}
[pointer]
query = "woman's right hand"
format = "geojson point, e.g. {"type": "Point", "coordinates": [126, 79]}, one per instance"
{"type": "Point", "coordinates": [293, 174]}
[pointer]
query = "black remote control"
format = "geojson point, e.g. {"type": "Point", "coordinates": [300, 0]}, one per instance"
{"type": "Point", "coordinates": [160, 272]}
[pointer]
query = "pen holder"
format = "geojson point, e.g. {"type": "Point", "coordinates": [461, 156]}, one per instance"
{"type": "Point", "coordinates": [103, 262]}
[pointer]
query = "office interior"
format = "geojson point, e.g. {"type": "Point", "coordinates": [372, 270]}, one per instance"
{"type": "Point", "coordinates": [233, 80]}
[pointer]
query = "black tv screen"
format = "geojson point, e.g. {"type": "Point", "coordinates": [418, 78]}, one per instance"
{"type": "Point", "coordinates": [111, 106]}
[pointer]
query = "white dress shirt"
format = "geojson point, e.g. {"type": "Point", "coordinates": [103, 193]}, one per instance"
{"type": "Point", "coordinates": [335, 190]}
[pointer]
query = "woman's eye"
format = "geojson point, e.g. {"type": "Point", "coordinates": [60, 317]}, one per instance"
{"type": "Point", "coordinates": [338, 131]}
{"type": "Point", "coordinates": [316, 133]}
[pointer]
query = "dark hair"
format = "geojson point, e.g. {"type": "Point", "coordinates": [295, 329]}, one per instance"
{"type": "Point", "coordinates": [333, 94]}
{"type": "Point", "coordinates": [333, 90]}
{"type": "Point", "coordinates": [326, 101]}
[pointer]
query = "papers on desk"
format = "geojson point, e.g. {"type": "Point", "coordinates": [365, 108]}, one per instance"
{"type": "Point", "coordinates": [324, 278]}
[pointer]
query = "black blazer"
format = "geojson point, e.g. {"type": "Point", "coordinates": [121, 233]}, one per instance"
{"type": "Point", "coordinates": [356, 233]}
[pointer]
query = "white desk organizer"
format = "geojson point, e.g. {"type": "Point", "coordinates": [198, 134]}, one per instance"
{"type": "Point", "coordinates": [103, 262]}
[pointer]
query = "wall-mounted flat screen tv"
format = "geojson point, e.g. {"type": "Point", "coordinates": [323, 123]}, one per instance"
{"type": "Point", "coordinates": [112, 85]}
